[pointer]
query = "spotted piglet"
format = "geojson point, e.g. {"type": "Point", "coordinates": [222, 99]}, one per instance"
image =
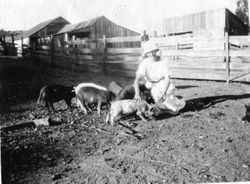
{"type": "Point", "coordinates": [129, 107]}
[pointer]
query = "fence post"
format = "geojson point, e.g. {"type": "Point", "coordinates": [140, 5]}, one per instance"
{"type": "Point", "coordinates": [145, 37]}
{"type": "Point", "coordinates": [227, 58]}
{"type": "Point", "coordinates": [176, 48]}
{"type": "Point", "coordinates": [52, 48]}
{"type": "Point", "coordinates": [104, 55]}
{"type": "Point", "coordinates": [4, 46]}
{"type": "Point", "coordinates": [22, 46]}
{"type": "Point", "coordinates": [13, 39]}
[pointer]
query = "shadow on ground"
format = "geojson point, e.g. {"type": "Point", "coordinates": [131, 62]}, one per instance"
{"type": "Point", "coordinates": [198, 104]}
{"type": "Point", "coordinates": [186, 87]}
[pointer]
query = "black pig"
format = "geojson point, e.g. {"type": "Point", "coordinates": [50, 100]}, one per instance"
{"type": "Point", "coordinates": [54, 93]}
{"type": "Point", "coordinates": [128, 92]}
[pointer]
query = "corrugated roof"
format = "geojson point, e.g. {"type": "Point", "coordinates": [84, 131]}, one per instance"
{"type": "Point", "coordinates": [38, 27]}
{"type": "Point", "coordinates": [68, 28]}
{"type": "Point", "coordinates": [73, 27]}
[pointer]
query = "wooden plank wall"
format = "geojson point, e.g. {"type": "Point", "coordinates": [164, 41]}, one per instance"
{"type": "Point", "coordinates": [123, 61]}
{"type": "Point", "coordinates": [184, 62]}
{"type": "Point", "coordinates": [212, 19]}
{"type": "Point", "coordinates": [106, 27]}
{"type": "Point", "coordinates": [85, 55]}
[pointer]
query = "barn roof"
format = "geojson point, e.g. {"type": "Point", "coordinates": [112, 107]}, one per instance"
{"type": "Point", "coordinates": [40, 26]}
{"type": "Point", "coordinates": [73, 27]}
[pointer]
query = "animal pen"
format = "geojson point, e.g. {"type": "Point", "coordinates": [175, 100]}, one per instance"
{"type": "Point", "coordinates": [228, 64]}
{"type": "Point", "coordinates": [209, 45]}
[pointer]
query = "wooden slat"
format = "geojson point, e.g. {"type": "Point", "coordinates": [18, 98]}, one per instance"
{"type": "Point", "coordinates": [205, 74]}
{"type": "Point", "coordinates": [244, 53]}
{"type": "Point", "coordinates": [206, 65]}
{"type": "Point", "coordinates": [124, 50]}
{"type": "Point", "coordinates": [122, 66]}
{"type": "Point", "coordinates": [193, 53]}
{"type": "Point", "coordinates": [79, 67]}
{"type": "Point", "coordinates": [88, 57]}
{"type": "Point", "coordinates": [96, 58]}
{"type": "Point", "coordinates": [240, 75]}
{"type": "Point", "coordinates": [76, 42]}
{"type": "Point", "coordinates": [42, 52]}
{"type": "Point", "coordinates": [124, 39]}
{"type": "Point", "coordinates": [85, 50]}
{"type": "Point", "coordinates": [121, 73]}
{"type": "Point", "coordinates": [174, 40]}
{"type": "Point", "coordinates": [126, 58]}
{"type": "Point", "coordinates": [43, 47]}
{"type": "Point", "coordinates": [78, 50]}
{"type": "Point", "coordinates": [240, 40]}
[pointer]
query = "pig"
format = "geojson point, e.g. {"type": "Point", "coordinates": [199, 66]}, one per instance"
{"type": "Point", "coordinates": [128, 92]}
{"type": "Point", "coordinates": [247, 116]}
{"type": "Point", "coordinates": [88, 84]}
{"type": "Point", "coordinates": [54, 93]}
{"type": "Point", "coordinates": [129, 107]}
{"type": "Point", "coordinates": [92, 94]}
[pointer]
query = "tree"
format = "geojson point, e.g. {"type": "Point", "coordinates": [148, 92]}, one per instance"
{"type": "Point", "coordinates": [242, 11]}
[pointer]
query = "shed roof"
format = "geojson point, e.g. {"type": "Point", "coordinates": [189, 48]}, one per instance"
{"type": "Point", "coordinates": [73, 27]}
{"type": "Point", "coordinates": [40, 26]}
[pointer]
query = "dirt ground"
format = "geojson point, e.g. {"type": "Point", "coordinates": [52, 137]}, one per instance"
{"type": "Point", "coordinates": [206, 142]}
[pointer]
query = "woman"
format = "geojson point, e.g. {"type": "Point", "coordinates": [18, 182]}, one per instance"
{"type": "Point", "coordinates": [156, 73]}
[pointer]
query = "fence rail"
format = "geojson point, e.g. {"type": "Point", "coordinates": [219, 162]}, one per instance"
{"type": "Point", "coordinates": [229, 61]}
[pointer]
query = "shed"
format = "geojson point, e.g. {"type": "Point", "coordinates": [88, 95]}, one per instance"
{"type": "Point", "coordinates": [212, 23]}
{"type": "Point", "coordinates": [93, 29]}
{"type": "Point", "coordinates": [43, 31]}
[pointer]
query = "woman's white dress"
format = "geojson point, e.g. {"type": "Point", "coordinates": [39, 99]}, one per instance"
{"type": "Point", "coordinates": [154, 73]}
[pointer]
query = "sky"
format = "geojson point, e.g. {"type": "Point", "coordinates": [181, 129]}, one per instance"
{"type": "Point", "coordinates": [24, 14]}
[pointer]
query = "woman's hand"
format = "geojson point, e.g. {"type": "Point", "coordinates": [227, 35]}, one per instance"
{"type": "Point", "coordinates": [137, 98]}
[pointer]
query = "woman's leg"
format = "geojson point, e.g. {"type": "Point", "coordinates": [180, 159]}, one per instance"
{"type": "Point", "coordinates": [169, 101]}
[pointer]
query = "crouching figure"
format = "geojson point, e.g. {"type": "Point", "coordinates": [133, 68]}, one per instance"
{"type": "Point", "coordinates": [129, 107]}
{"type": "Point", "coordinates": [155, 72]}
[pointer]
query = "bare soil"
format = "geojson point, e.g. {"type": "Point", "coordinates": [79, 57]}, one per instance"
{"type": "Point", "coordinates": [206, 142]}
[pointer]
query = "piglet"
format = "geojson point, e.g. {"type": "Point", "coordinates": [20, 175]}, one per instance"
{"type": "Point", "coordinates": [54, 93]}
{"type": "Point", "coordinates": [128, 107]}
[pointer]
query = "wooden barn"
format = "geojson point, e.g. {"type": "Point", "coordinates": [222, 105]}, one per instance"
{"type": "Point", "coordinates": [207, 24]}
{"type": "Point", "coordinates": [92, 29]}
{"type": "Point", "coordinates": [41, 33]}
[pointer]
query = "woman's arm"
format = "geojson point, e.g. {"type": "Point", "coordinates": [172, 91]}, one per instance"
{"type": "Point", "coordinates": [166, 79]}
{"type": "Point", "coordinates": [166, 86]}
{"type": "Point", "coordinates": [137, 89]}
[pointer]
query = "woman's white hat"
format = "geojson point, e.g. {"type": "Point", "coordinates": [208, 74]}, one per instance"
{"type": "Point", "coordinates": [149, 47]}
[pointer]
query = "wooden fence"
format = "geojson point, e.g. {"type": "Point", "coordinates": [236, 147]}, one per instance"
{"type": "Point", "coordinates": [230, 63]}
{"type": "Point", "coordinates": [7, 46]}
